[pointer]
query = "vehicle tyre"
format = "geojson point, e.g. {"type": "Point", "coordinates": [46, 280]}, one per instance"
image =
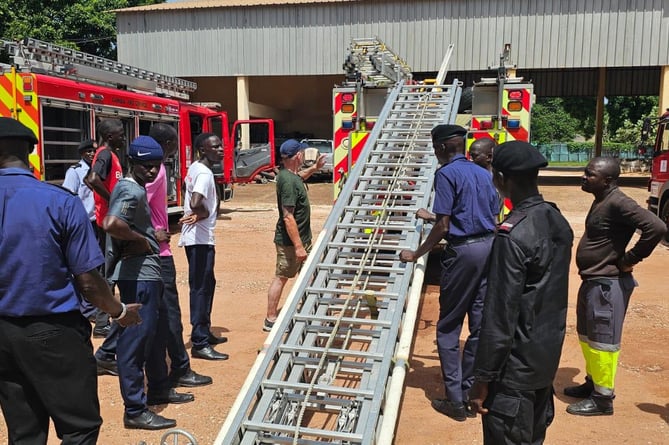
{"type": "Point", "coordinates": [465, 100]}
{"type": "Point", "coordinates": [664, 216]}
{"type": "Point", "coordinates": [219, 194]}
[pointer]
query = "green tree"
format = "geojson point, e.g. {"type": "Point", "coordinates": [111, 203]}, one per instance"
{"type": "Point", "coordinates": [551, 123]}
{"type": "Point", "coordinates": [583, 109]}
{"type": "Point", "coordinates": [632, 109]}
{"type": "Point", "coordinates": [87, 25]}
{"type": "Point", "coordinates": [630, 132]}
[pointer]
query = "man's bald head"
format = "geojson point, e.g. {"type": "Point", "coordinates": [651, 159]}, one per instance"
{"type": "Point", "coordinates": [607, 166]}
{"type": "Point", "coordinates": [481, 152]}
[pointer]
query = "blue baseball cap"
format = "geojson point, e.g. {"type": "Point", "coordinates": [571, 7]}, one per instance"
{"type": "Point", "coordinates": [145, 148]}
{"type": "Point", "coordinates": [291, 147]}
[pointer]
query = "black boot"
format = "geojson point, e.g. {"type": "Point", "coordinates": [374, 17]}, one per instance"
{"type": "Point", "coordinates": [581, 391]}
{"type": "Point", "coordinates": [595, 405]}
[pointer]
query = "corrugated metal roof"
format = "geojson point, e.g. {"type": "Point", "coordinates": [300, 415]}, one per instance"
{"type": "Point", "coordinates": [202, 4]}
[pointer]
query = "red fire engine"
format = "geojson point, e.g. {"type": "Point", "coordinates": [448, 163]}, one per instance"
{"type": "Point", "coordinates": [61, 94]}
{"type": "Point", "coordinates": [658, 186]}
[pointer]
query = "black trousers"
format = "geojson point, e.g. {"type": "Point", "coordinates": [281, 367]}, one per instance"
{"type": "Point", "coordinates": [517, 417]}
{"type": "Point", "coordinates": [47, 370]}
{"type": "Point", "coordinates": [202, 283]}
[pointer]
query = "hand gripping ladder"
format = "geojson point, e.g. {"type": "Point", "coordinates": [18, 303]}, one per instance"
{"type": "Point", "coordinates": [323, 373]}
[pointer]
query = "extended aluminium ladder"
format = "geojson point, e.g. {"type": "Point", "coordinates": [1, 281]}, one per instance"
{"type": "Point", "coordinates": [323, 374]}
{"type": "Point", "coordinates": [48, 58]}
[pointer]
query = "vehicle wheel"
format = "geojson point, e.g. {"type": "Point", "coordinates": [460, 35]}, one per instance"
{"type": "Point", "coordinates": [465, 100]}
{"type": "Point", "coordinates": [219, 194]}
{"type": "Point", "coordinates": [664, 216]}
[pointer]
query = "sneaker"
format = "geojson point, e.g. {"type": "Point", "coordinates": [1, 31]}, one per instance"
{"type": "Point", "coordinates": [268, 325]}
{"type": "Point", "coordinates": [454, 410]}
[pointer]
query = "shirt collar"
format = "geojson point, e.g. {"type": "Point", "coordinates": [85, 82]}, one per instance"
{"type": "Point", "coordinates": [529, 202]}
{"type": "Point", "coordinates": [15, 171]}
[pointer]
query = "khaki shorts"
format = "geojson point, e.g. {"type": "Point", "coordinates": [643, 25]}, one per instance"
{"type": "Point", "coordinates": [287, 265]}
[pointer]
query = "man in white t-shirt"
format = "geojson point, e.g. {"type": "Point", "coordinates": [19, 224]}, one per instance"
{"type": "Point", "coordinates": [197, 236]}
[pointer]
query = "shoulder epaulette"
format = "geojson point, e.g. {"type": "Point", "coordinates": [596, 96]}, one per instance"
{"type": "Point", "coordinates": [69, 192]}
{"type": "Point", "coordinates": [511, 221]}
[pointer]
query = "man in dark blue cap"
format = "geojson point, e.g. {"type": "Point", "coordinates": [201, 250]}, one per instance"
{"type": "Point", "coordinates": [466, 207]}
{"type": "Point", "coordinates": [133, 263]}
{"type": "Point", "coordinates": [525, 310]}
{"type": "Point", "coordinates": [292, 237]}
{"type": "Point", "coordinates": [47, 369]}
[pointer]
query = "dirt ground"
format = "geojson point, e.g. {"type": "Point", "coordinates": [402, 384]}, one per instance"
{"type": "Point", "coordinates": [245, 266]}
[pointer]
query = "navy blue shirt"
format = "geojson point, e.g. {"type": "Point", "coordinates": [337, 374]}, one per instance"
{"type": "Point", "coordinates": [45, 239]}
{"type": "Point", "coordinates": [465, 192]}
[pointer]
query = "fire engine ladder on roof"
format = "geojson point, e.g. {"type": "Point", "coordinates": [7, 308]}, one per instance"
{"type": "Point", "coordinates": [323, 374]}
{"type": "Point", "coordinates": [38, 56]}
{"type": "Point", "coordinates": [374, 63]}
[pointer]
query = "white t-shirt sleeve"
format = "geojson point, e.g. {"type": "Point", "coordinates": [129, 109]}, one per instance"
{"type": "Point", "coordinates": [201, 184]}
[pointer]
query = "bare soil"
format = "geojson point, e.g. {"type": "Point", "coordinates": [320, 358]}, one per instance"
{"type": "Point", "coordinates": [245, 266]}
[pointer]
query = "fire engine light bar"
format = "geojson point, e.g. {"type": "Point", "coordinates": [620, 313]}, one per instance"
{"type": "Point", "coordinates": [347, 125]}
{"type": "Point", "coordinates": [347, 108]}
{"type": "Point", "coordinates": [514, 106]}
{"type": "Point", "coordinates": [513, 124]}
{"type": "Point", "coordinates": [486, 125]}
{"type": "Point", "coordinates": [515, 94]}
{"type": "Point", "coordinates": [347, 97]}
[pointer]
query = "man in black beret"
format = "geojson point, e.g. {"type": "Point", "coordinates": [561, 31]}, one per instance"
{"type": "Point", "coordinates": [466, 207]}
{"type": "Point", "coordinates": [525, 310]}
{"type": "Point", "coordinates": [47, 371]}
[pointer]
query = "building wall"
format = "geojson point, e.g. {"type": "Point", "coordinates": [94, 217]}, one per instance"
{"type": "Point", "coordinates": [312, 39]}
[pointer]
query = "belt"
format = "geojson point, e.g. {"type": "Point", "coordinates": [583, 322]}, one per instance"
{"type": "Point", "coordinates": [469, 239]}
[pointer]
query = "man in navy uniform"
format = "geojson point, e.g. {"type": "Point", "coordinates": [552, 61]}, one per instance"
{"type": "Point", "coordinates": [466, 207]}
{"type": "Point", "coordinates": [50, 259]}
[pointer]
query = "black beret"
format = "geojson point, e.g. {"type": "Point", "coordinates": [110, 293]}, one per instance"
{"type": "Point", "coordinates": [13, 129]}
{"type": "Point", "coordinates": [87, 144]}
{"type": "Point", "coordinates": [447, 131]}
{"type": "Point", "coordinates": [517, 156]}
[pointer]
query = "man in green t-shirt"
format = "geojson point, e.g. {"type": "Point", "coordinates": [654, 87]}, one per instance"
{"type": "Point", "coordinates": [292, 237]}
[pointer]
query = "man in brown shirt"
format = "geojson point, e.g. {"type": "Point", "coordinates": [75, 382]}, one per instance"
{"type": "Point", "coordinates": [605, 265]}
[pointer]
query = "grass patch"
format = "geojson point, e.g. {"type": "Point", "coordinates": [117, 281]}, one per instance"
{"type": "Point", "coordinates": [568, 164]}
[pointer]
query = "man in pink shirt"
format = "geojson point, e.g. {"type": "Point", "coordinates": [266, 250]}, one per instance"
{"type": "Point", "coordinates": [181, 373]}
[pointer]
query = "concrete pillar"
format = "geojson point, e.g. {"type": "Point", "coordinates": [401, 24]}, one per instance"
{"type": "Point", "coordinates": [664, 90]}
{"type": "Point", "coordinates": [243, 110]}
{"type": "Point", "coordinates": [599, 113]}
{"type": "Point", "coordinates": [242, 98]}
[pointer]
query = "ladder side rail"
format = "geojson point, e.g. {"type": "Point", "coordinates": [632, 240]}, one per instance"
{"type": "Point", "coordinates": [443, 69]}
